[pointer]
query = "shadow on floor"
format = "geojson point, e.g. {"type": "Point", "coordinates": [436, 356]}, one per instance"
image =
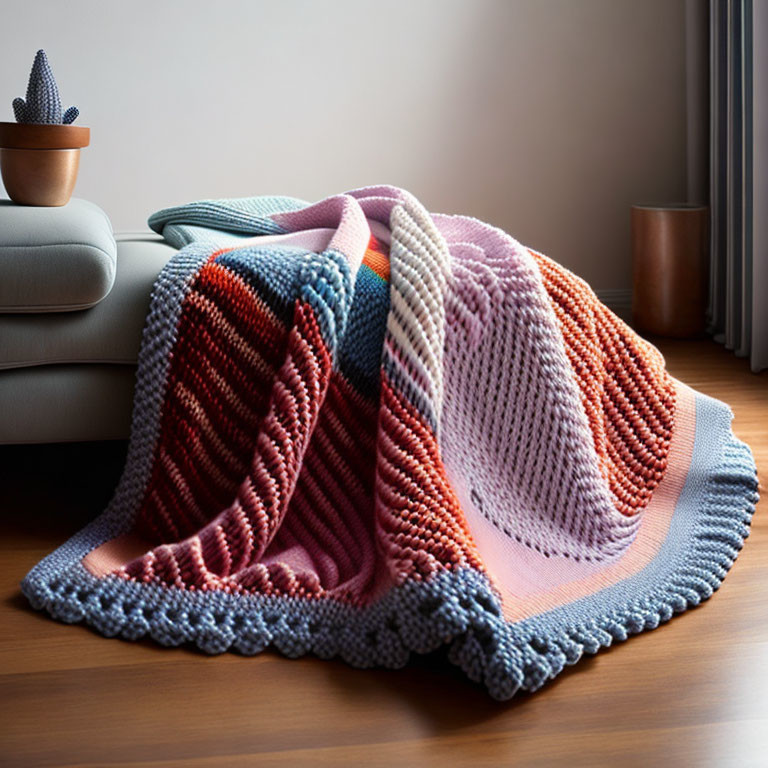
{"type": "Point", "coordinates": [57, 487]}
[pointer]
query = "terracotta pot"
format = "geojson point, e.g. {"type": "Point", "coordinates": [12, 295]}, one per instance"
{"type": "Point", "coordinates": [39, 163]}
{"type": "Point", "coordinates": [670, 254]}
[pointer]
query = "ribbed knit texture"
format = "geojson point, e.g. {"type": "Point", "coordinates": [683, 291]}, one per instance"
{"type": "Point", "coordinates": [419, 434]}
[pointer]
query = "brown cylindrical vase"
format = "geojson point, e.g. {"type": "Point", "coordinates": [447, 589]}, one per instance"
{"type": "Point", "coordinates": [39, 163]}
{"type": "Point", "coordinates": [39, 176]}
{"type": "Point", "coordinates": [670, 259]}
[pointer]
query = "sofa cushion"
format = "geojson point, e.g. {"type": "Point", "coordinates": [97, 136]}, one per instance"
{"type": "Point", "coordinates": [62, 403]}
{"type": "Point", "coordinates": [110, 332]}
{"type": "Point", "coordinates": [54, 259]}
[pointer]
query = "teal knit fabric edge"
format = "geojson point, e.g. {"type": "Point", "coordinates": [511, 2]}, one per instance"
{"type": "Point", "coordinates": [223, 222]}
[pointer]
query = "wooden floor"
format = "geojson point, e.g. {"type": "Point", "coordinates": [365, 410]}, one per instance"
{"type": "Point", "coordinates": [692, 693]}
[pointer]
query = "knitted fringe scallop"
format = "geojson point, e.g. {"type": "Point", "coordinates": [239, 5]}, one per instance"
{"type": "Point", "coordinates": [458, 609]}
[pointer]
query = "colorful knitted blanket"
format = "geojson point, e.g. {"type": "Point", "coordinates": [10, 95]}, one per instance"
{"type": "Point", "coordinates": [364, 430]}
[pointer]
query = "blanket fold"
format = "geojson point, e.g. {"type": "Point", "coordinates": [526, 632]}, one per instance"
{"type": "Point", "coordinates": [364, 430]}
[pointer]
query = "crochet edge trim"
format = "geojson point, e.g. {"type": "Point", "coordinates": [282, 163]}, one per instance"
{"type": "Point", "coordinates": [457, 608]}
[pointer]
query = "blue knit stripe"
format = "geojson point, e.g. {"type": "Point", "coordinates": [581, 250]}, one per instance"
{"type": "Point", "coordinates": [327, 286]}
{"type": "Point", "coordinates": [281, 274]}
{"type": "Point", "coordinates": [360, 354]}
{"type": "Point", "coordinates": [181, 235]}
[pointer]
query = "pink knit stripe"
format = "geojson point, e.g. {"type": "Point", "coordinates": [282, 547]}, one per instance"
{"type": "Point", "coordinates": [115, 553]}
{"type": "Point", "coordinates": [288, 546]}
{"type": "Point", "coordinates": [344, 215]}
{"type": "Point", "coordinates": [337, 562]}
{"type": "Point", "coordinates": [323, 520]}
{"type": "Point", "coordinates": [346, 448]}
{"type": "Point", "coordinates": [331, 514]}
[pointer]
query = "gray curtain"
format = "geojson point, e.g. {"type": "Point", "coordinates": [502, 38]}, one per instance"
{"type": "Point", "coordinates": [738, 303]}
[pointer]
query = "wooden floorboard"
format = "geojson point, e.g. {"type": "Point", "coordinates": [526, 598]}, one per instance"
{"type": "Point", "coordinates": [692, 693]}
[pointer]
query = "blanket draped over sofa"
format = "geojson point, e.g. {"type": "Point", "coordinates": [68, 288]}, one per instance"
{"type": "Point", "coordinates": [364, 430]}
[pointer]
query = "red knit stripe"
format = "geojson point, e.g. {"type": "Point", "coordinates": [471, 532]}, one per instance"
{"type": "Point", "coordinates": [204, 561]}
{"type": "Point", "coordinates": [219, 382]}
{"type": "Point", "coordinates": [377, 258]}
{"type": "Point", "coordinates": [331, 513]}
{"type": "Point", "coordinates": [214, 417]}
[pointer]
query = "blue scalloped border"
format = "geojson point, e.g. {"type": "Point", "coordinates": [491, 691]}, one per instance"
{"type": "Point", "coordinates": [708, 528]}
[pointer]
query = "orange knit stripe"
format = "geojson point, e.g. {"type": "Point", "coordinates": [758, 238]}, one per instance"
{"type": "Point", "coordinates": [376, 258]}
{"type": "Point", "coordinates": [421, 527]}
{"type": "Point", "coordinates": [628, 396]}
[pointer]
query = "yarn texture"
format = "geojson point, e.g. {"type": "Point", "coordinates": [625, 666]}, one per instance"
{"type": "Point", "coordinates": [42, 105]}
{"type": "Point", "coordinates": [364, 430]}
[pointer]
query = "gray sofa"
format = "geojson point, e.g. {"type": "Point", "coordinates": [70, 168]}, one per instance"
{"type": "Point", "coordinates": [72, 306]}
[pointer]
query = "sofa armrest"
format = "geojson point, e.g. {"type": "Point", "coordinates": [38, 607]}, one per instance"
{"type": "Point", "coordinates": [55, 259]}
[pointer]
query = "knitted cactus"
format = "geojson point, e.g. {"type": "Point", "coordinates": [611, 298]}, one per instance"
{"type": "Point", "coordinates": [43, 104]}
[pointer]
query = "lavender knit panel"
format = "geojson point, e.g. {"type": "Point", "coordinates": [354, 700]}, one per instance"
{"type": "Point", "coordinates": [512, 418]}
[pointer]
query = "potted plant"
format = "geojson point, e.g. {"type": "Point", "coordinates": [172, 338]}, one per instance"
{"type": "Point", "coordinates": [40, 153]}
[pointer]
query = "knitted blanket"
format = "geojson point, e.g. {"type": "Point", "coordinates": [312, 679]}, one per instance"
{"type": "Point", "coordinates": [364, 430]}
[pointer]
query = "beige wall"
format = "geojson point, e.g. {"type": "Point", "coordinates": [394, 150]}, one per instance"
{"type": "Point", "coordinates": [544, 117]}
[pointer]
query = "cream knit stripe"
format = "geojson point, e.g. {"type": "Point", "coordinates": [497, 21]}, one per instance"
{"type": "Point", "coordinates": [419, 267]}
{"type": "Point", "coordinates": [406, 367]}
